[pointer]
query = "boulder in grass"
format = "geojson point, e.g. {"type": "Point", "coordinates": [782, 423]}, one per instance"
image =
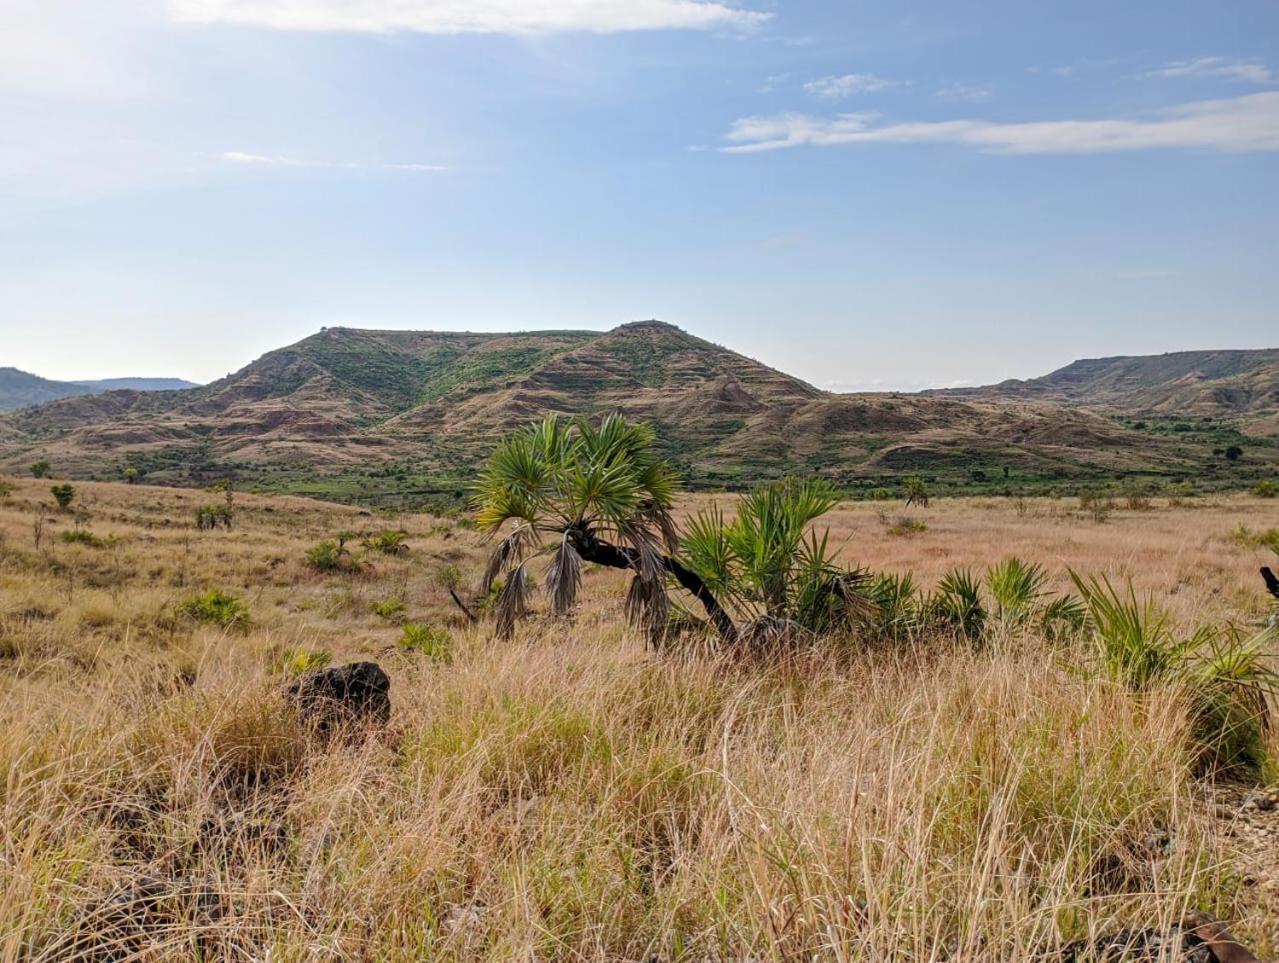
{"type": "Point", "coordinates": [343, 696]}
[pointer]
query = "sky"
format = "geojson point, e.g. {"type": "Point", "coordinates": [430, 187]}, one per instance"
{"type": "Point", "coordinates": [864, 193]}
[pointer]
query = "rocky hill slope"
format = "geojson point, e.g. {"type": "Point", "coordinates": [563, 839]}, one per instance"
{"type": "Point", "coordinates": [364, 414]}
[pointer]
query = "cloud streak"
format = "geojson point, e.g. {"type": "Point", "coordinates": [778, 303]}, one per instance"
{"type": "Point", "coordinates": [1247, 72]}
{"type": "Point", "coordinates": [1241, 124]}
{"type": "Point", "coordinates": [845, 85]}
{"type": "Point", "coordinates": [265, 160]}
{"type": "Point", "coordinates": [471, 16]}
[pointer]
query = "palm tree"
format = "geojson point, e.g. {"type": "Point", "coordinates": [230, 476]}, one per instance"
{"type": "Point", "coordinates": [585, 494]}
{"type": "Point", "coordinates": [775, 570]}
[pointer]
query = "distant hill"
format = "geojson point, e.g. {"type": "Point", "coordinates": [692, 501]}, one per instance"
{"type": "Point", "coordinates": [1196, 383]}
{"type": "Point", "coordinates": [19, 389]}
{"type": "Point", "coordinates": [366, 415]}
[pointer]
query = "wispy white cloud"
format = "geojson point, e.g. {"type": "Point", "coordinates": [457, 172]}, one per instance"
{"type": "Point", "coordinates": [1248, 123]}
{"type": "Point", "coordinates": [267, 160]}
{"type": "Point", "coordinates": [964, 93]}
{"type": "Point", "coordinates": [846, 85]}
{"type": "Point", "coordinates": [469, 16]}
{"type": "Point", "coordinates": [1251, 72]}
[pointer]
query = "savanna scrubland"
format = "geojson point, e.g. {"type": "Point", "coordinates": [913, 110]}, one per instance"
{"type": "Point", "coordinates": [573, 793]}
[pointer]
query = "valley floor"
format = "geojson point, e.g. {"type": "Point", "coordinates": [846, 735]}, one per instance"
{"type": "Point", "coordinates": [573, 795]}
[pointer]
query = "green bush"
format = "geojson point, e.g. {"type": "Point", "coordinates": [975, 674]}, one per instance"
{"type": "Point", "coordinates": [388, 541]}
{"type": "Point", "coordinates": [6, 490]}
{"type": "Point", "coordinates": [78, 536]}
{"type": "Point", "coordinates": [63, 495]}
{"type": "Point", "coordinates": [297, 662]}
{"type": "Point", "coordinates": [215, 607]}
{"type": "Point", "coordinates": [212, 516]}
{"type": "Point", "coordinates": [330, 556]}
{"type": "Point", "coordinates": [435, 643]}
{"type": "Point", "coordinates": [1224, 673]}
{"type": "Point", "coordinates": [390, 609]}
{"type": "Point", "coordinates": [1266, 489]}
{"type": "Point", "coordinates": [41, 469]}
{"type": "Point", "coordinates": [1245, 537]}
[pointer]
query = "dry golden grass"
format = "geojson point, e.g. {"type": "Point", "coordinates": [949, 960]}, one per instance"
{"type": "Point", "coordinates": [571, 795]}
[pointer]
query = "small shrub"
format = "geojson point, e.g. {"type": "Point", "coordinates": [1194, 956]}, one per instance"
{"type": "Point", "coordinates": [330, 555]}
{"type": "Point", "coordinates": [1245, 537]}
{"type": "Point", "coordinates": [1225, 674]}
{"type": "Point", "coordinates": [1266, 489]}
{"type": "Point", "coordinates": [6, 490]}
{"type": "Point", "coordinates": [882, 495]}
{"type": "Point", "coordinates": [389, 541]}
{"type": "Point", "coordinates": [435, 643]}
{"type": "Point", "coordinates": [389, 609]}
{"type": "Point", "coordinates": [130, 475]}
{"type": "Point", "coordinates": [957, 604]}
{"type": "Point", "coordinates": [904, 526]}
{"type": "Point", "coordinates": [78, 536]}
{"type": "Point", "coordinates": [449, 577]}
{"type": "Point", "coordinates": [63, 495]}
{"type": "Point", "coordinates": [215, 607]}
{"type": "Point", "coordinates": [1099, 506]}
{"type": "Point", "coordinates": [297, 662]}
{"type": "Point", "coordinates": [41, 469]}
{"type": "Point", "coordinates": [1234, 453]}
{"type": "Point", "coordinates": [208, 517]}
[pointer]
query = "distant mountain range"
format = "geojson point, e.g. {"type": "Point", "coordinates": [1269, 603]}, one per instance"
{"type": "Point", "coordinates": [366, 415]}
{"type": "Point", "coordinates": [1212, 383]}
{"type": "Point", "coordinates": [19, 389]}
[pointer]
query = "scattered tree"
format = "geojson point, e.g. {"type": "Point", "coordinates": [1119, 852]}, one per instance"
{"type": "Point", "coordinates": [1234, 453]}
{"type": "Point", "coordinates": [62, 494]}
{"type": "Point", "coordinates": [581, 493]}
{"type": "Point", "coordinates": [130, 475]}
{"type": "Point", "coordinates": [915, 492]}
{"type": "Point", "coordinates": [41, 469]}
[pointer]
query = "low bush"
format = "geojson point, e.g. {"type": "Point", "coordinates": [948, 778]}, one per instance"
{"type": "Point", "coordinates": [295, 662]}
{"type": "Point", "coordinates": [1099, 506]}
{"type": "Point", "coordinates": [389, 609]}
{"type": "Point", "coordinates": [212, 516]}
{"type": "Point", "coordinates": [905, 526]}
{"type": "Point", "coordinates": [215, 607]}
{"type": "Point", "coordinates": [78, 536]}
{"type": "Point", "coordinates": [1224, 673]}
{"type": "Point", "coordinates": [389, 541]}
{"type": "Point", "coordinates": [1245, 537]}
{"type": "Point", "coordinates": [330, 555]}
{"type": "Point", "coordinates": [435, 643]}
{"type": "Point", "coordinates": [1266, 489]}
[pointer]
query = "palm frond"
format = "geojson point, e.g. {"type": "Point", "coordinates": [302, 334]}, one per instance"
{"type": "Point", "coordinates": [512, 602]}
{"type": "Point", "coordinates": [564, 578]}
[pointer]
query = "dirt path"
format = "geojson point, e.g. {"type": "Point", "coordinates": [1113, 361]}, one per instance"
{"type": "Point", "coordinates": [1249, 819]}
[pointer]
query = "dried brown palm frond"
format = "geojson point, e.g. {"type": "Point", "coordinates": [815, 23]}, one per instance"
{"type": "Point", "coordinates": [648, 605]}
{"type": "Point", "coordinates": [512, 602]}
{"type": "Point", "coordinates": [564, 577]}
{"type": "Point", "coordinates": [508, 552]}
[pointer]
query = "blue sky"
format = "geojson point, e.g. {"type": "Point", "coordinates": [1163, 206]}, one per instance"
{"type": "Point", "coordinates": [863, 193]}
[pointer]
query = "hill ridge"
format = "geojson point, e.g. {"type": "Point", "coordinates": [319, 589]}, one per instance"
{"type": "Point", "coordinates": [342, 410]}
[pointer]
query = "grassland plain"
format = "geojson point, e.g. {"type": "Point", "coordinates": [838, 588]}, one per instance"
{"type": "Point", "coordinates": [573, 795]}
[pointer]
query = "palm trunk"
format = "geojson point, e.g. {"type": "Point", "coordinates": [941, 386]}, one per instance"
{"type": "Point", "coordinates": [613, 556]}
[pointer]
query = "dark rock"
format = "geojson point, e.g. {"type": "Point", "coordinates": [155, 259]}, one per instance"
{"type": "Point", "coordinates": [343, 696]}
{"type": "Point", "coordinates": [1199, 939]}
